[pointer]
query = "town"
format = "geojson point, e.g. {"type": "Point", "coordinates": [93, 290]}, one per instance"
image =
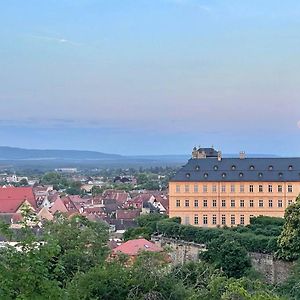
{"type": "Point", "coordinates": [149, 150]}
{"type": "Point", "coordinates": [149, 211]}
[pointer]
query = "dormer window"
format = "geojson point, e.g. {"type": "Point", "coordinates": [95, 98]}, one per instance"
{"type": "Point", "coordinates": [280, 174]}
{"type": "Point", "coordinates": [260, 175]}
{"type": "Point", "coordinates": [233, 168]}
{"type": "Point", "coordinates": [224, 175]}
{"type": "Point", "coordinates": [188, 175]}
{"type": "Point", "coordinates": [205, 175]}
{"type": "Point", "coordinates": [197, 168]}
{"type": "Point", "coordinates": [290, 168]}
{"type": "Point", "coordinates": [216, 168]}
{"type": "Point", "coordinates": [271, 168]}
{"type": "Point", "coordinates": [252, 168]}
{"type": "Point", "coordinates": [241, 174]}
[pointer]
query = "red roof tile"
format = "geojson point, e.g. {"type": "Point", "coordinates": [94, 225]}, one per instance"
{"type": "Point", "coordinates": [133, 247]}
{"type": "Point", "coordinates": [11, 198]}
{"type": "Point", "coordinates": [128, 214]}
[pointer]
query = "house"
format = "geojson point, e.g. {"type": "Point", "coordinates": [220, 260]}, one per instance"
{"type": "Point", "coordinates": [135, 247]}
{"type": "Point", "coordinates": [58, 206]}
{"type": "Point", "coordinates": [12, 199]}
{"type": "Point", "coordinates": [45, 214]}
{"type": "Point", "coordinates": [137, 201]}
{"type": "Point", "coordinates": [127, 214]}
{"type": "Point", "coordinates": [121, 197]}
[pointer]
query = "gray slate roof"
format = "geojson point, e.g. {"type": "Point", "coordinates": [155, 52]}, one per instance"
{"type": "Point", "coordinates": [235, 169]}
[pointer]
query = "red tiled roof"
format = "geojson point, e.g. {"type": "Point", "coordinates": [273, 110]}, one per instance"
{"type": "Point", "coordinates": [128, 214]}
{"type": "Point", "coordinates": [133, 247]}
{"type": "Point", "coordinates": [58, 205]}
{"type": "Point", "coordinates": [11, 198]}
{"type": "Point", "coordinates": [120, 196]}
{"type": "Point", "coordinates": [142, 198]}
{"type": "Point", "coordinates": [94, 210]}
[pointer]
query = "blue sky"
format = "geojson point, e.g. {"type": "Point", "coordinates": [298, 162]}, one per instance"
{"type": "Point", "coordinates": [150, 76]}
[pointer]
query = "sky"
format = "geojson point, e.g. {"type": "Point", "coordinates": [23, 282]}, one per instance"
{"type": "Point", "coordinates": [151, 76]}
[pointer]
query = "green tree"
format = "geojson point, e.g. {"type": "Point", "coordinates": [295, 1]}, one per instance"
{"type": "Point", "coordinates": [227, 254]}
{"type": "Point", "coordinates": [289, 240]}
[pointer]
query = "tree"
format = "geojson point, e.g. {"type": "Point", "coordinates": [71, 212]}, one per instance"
{"type": "Point", "coordinates": [289, 240]}
{"type": "Point", "coordinates": [228, 255]}
{"type": "Point", "coordinates": [23, 182]}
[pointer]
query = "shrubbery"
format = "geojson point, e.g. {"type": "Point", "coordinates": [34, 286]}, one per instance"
{"type": "Point", "coordinates": [247, 237]}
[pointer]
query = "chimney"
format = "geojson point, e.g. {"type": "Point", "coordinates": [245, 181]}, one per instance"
{"type": "Point", "coordinates": [242, 155]}
{"type": "Point", "coordinates": [219, 155]}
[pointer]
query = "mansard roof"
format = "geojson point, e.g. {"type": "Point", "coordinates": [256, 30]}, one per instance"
{"type": "Point", "coordinates": [236, 169]}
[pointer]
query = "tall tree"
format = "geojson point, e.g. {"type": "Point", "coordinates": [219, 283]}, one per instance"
{"type": "Point", "coordinates": [289, 240]}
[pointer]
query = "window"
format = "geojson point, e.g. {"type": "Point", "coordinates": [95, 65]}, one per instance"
{"type": "Point", "coordinates": [290, 168]}
{"type": "Point", "coordinates": [177, 203]}
{"type": "Point", "coordinates": [270, 188]}
{"type": "Point", "coordinates": [186, 188]}
{"type": "Point", "coordinates": [214, 220]}
{"type": "Point", "coordinates": [233, 168]}
{"type": "Point", "coordinates": [242, 220]}
{"type": "Point", "coordinates": [187, 203]}
{"type": "Point", "coordinates": [290, 188]}
{"type": "Point", "coordinates": [187, 220]}
{"type": "Point", "coordinates": [270, 203]}
{"type": "Point", "coordinates": [196, 203]}
{"type": "Point", "coordinates": [177, 188]}
{"type": "Point", "coordinates": [279, 188]}
{"type": "Point", "coordinates": [223, 188]}
{"type": "Point", "coordinates": [232, 203]}
{"type": "Point", "coordinates": [271, 168]}
{"type": "Point", "coordinates": [260, 188]}
{"type": "Point", "coordinates": [196, 188]}
{"type": "Point", "coordinates": [232, 219]}
{"type": "Point", "coordinates": [196, 220]}
{"type": "Point", "coordinates": [214, 188]}
{"type": "Point", "coordinates": [223, 203]}
{"type": "Point", "coordinates": [232, 188]}
{"type": "Point", "coordinates": [223, 220]}
{"type": "Point", "coordinates": [279, 203]}
{"type": "Point", "coordinates": [261, 203]}
{"type": "Point", "coordinates": [216, 168]}
{"type": "Point", "coordinates": [205, 189]}
{"type": "Point", "coordinates": [242, 203]}
{"type": "Point", "coordinates": [204, 203]}
{"type": "Point", "coordinates": [204, 219]}
{"type": "Point", "coordinates": [251, 188]}
{"type": "Point", "coordinates": [252, 168]}
{"type": "Point", "coordinates": [251, 203]}
{"type": "Point", "coordinates": [290, 202]}
{"type": "Point", "coordinates": [242, 188]}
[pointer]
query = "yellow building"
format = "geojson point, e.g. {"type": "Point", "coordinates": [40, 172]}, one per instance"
{"type": "Point", "coordinates": [211, 190]}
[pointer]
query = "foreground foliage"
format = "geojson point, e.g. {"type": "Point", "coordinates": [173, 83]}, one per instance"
{"type": "Point", "coordinates": [69, 260]}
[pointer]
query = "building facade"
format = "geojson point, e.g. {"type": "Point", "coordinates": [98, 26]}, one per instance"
{"type": "Point", "coordinates": [212, 191]}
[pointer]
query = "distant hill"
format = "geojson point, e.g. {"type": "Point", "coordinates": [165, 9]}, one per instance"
{"type": "Point", "coordinates": [11, 157]}
{"type": "Point", "coordinates": [11, 153]}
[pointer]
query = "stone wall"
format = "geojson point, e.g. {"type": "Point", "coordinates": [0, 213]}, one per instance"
{"type": "Point", "coordinates": [273, 270]}
{"type": "Point", "coordinates": [180, 251]}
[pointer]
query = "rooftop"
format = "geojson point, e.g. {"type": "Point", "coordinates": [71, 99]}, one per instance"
{"type": "Point", "coordinates": [239, 169]}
